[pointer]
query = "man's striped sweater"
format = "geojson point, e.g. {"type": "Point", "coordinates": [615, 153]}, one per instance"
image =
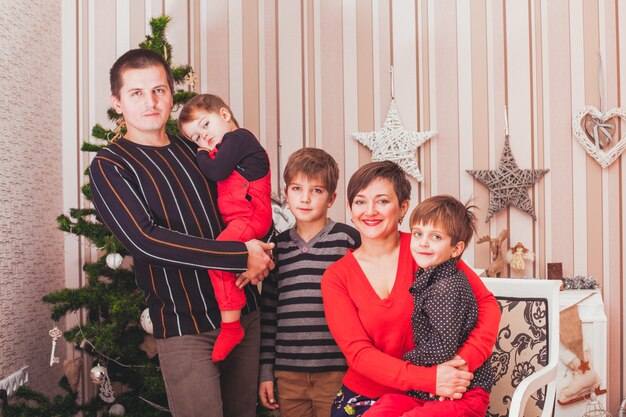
{"type": "Point", "coordinates": [158, 204]}
{"type": "Point", "coordinates": [294, 333]}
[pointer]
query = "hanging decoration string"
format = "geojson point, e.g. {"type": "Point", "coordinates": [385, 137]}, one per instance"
{"type": "Point", "coordinates": [392, 82]}
{"type": "Point", "coordinates": [601, 82]}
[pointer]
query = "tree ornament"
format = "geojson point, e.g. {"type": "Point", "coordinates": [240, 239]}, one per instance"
{"type": "Point", "coordinates": [595, 131]}
{"type": "Point", "coordinates": [98, 374]}
{"type": "Point", "coordinates": [119, 131]}
{"type": "Point", "coordinates": [508, 184]}
{"type": "Point", "coordinates": [117, 410]}
{"type": "Point", "coordinates": [73, 368]}
{"type": "Point", "coordinates": [114, 260]}
{"type": "Point", "coordinates": [394, 143]}
{"type": "Point", "coordinates": [55, 333]}
{"type": "Point", "coordinates": [191, 80]}
{"type": "Point", "coordinates": [146, 322]}
{"type": "Point", "coordinates": [105, 392]}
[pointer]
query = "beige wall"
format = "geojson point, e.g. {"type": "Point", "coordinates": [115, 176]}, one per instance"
{"type": "Point", "coordinates": [31, 248]}
{"type": "Point", "coordinates": [311, 72]}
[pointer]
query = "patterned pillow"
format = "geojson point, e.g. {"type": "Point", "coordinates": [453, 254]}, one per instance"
{"type": "Point", "coordinates": [521, 349]}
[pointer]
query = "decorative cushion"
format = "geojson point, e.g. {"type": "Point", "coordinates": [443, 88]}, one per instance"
{"type": "Point", "coordinates": [521, 349]}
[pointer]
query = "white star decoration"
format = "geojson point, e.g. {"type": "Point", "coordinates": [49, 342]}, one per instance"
{"type": "Point", "coordinates": [394, 143]}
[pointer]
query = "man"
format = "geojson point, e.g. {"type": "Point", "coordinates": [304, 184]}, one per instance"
{"type": "Point", "coordinates": [148, 189]}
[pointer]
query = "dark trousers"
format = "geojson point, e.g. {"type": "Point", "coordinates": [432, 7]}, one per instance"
{"type": "Point", "coordinates": [197, 387]}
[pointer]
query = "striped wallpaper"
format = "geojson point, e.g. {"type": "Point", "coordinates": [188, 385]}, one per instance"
{"type": "Point", "coordinates": [308, 73]}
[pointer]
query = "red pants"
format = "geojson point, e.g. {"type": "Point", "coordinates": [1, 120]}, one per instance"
{"type": "Point", "coordinates": [474, 404]}
{"type": "Point", "coordinates": [228, 296]}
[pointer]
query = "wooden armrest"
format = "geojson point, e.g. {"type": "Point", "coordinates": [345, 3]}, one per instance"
{"type": "Point", "coordinates": [544, 376]}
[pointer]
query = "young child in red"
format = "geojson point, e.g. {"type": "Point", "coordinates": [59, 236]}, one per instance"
{"type": "Point", "coordinates": [445, 310]}
{"type": "Point", "coordinates": [235, 159]}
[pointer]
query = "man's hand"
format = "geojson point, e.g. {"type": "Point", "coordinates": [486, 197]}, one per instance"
{"type": "Point", "coordinates": [451, 382]}
{"type": "Point", "coordinates": [259, 263]}
{"type": "Point", "coordinates": [266, 393]}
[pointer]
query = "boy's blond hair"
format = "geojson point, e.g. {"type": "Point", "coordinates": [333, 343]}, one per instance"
{"type": "Point", "coordinates": [455, 218]}
{"type": "Point", "coordinates": [313, 163]}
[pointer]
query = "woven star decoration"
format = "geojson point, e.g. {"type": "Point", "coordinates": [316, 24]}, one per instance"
{"type": "Point", "coordinates": [394, 143]}
{"type": "Point", "coordinates": [509, 184]}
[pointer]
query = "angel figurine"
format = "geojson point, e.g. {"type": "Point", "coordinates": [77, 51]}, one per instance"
{"type": "Point", "coordinates": [518, 255]}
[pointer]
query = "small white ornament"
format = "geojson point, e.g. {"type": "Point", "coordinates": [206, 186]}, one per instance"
{"type": "Point", "coordinates": [97, 374]}
{"type": "Point", "coordinates": [114, 260]}
{"type": "Point", "coordinates": [146, 322]}
{"type": "Point", "coordinates": [117, 410]}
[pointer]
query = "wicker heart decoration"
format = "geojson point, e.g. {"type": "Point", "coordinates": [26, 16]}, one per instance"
{"type": "Point", "coordinates": [596, 130]}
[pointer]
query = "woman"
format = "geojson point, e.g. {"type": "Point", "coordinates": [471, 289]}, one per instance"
{"type": "Point", "coordinates": [368, 305]}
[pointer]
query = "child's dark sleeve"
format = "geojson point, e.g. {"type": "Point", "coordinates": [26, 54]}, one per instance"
{"type": "Point", "coordinates": [479, 344]}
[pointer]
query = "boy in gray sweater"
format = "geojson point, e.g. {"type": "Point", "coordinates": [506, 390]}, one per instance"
{"type": "Point", "coordinates": [297, 349]}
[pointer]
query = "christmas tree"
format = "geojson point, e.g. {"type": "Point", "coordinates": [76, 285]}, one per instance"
{"type": "Point", "coordinates": [123, 352]}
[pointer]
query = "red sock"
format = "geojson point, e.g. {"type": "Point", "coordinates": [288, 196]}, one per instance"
{"type": "Point", "coordinates": [229, 337]}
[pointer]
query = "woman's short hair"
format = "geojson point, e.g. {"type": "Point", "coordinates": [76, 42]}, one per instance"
{"type": "Point", "coordinates": [373, 171]}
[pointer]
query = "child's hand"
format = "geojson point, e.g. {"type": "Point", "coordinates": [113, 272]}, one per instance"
{"type": "Point", "coordinates": [458, 363]}
{"type": "Point", "coordinates": [266, 393]}
{"type": "Point", "coordinates": [451, 382]}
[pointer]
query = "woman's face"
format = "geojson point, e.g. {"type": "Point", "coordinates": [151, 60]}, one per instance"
{"type": "Point", "coordinates": [376, 210]}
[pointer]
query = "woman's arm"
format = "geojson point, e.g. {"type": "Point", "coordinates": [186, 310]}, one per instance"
{"type": "Point", "coordinates": [481, 339]}
{"type": "Point", "coordinates": [366, 359]}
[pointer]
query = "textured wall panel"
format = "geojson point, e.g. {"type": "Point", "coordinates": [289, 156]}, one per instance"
{"type": "Point", "coordinates": [31, 248]}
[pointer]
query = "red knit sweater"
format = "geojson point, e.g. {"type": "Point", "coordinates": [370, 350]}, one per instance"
{"type": "Point", "coordinates": [374, 334]}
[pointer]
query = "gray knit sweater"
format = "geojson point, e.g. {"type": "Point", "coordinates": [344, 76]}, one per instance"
{"type": "Point", "coordinates": [294, 333]}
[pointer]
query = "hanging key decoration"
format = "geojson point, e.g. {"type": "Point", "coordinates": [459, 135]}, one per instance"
{"type": "Point", "coordinates": [55, 333]}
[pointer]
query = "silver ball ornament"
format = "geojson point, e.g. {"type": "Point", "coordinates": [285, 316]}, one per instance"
{"type": "Point", "coordinates": [117, 410]}
{"type": "Point", "coordinates": [146, 322]}
{"type": "Point", "coordinates": [114, 260]}
{"type": "Point", "coordinates": [97, 374]}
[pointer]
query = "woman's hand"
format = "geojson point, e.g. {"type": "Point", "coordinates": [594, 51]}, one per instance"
{"type": "Point", "coordinates": [452, 382]}
{"type": "Point", "coordinates": [266, 393]}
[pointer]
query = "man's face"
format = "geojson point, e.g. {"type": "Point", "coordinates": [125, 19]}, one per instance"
{"type": "Point", "coordinates": [145, 100]}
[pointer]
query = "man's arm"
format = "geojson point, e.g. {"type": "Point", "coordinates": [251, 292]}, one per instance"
{"type": "Point", "coordinates": [121, 207]}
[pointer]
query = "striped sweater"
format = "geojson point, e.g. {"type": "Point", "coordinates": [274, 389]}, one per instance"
{"type": "Point", "coordinates": [294, 333]}
{"type": "Point", "coordinates": [158, 204]}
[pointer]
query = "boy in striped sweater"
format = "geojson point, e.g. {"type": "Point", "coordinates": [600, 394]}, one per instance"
{"type": "Point", "coordinates": [297, 349]}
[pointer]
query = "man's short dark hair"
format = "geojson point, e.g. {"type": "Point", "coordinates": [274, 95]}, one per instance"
{"type": "Point", "coordinates": [136, 59]}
